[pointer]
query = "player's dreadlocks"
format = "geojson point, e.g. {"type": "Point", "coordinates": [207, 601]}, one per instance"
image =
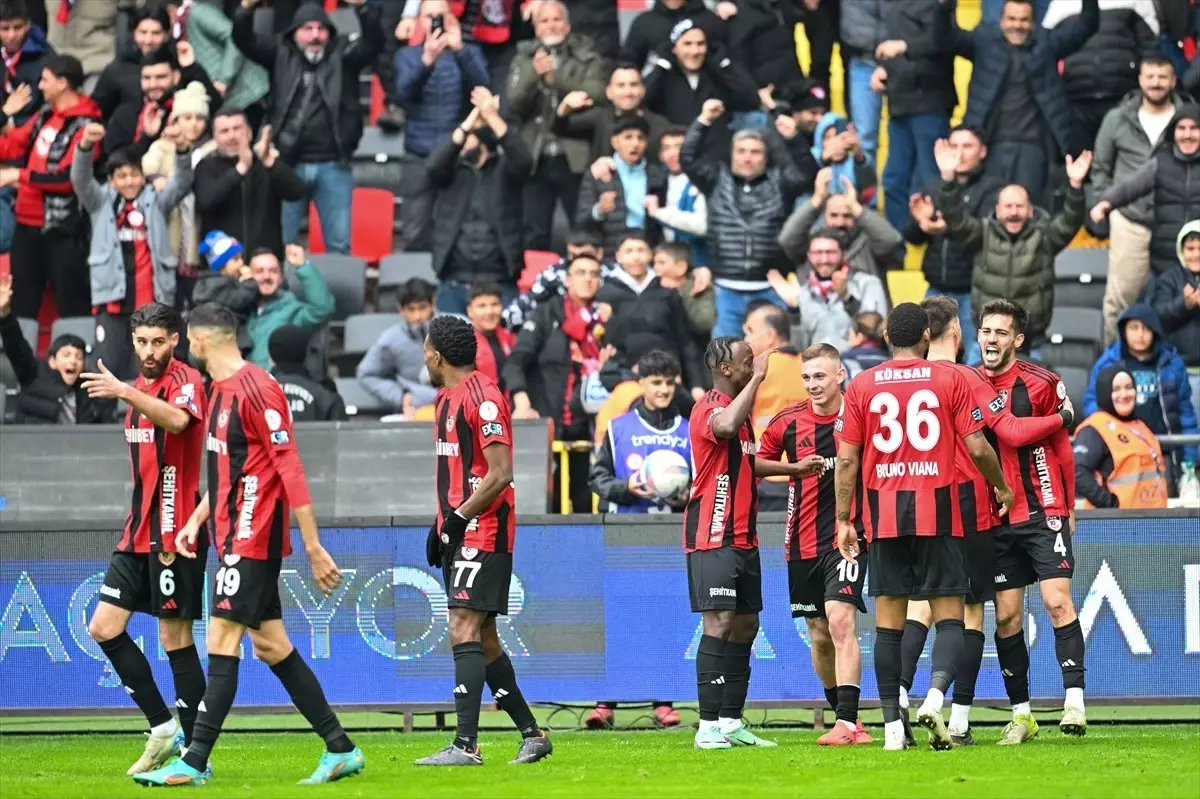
{"type": "Point", "coordinates": [906, 325]}
{"type": "Point", "coordinates": [155, 314]}
{"type": "Point", "coordinates": [719, 351]}
{"type": "Point", "coordinates": [454, 339]}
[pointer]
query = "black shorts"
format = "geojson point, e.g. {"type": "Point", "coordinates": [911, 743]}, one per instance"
{"type": "Point", "coordinates": [477, 580]}
{"type": "Point", "coordinates": [981, 566]}
{"type": "Point", "coordinates": [246, 591]}
{"type": "Point", "coordinates": [919, 567]}
{"type": "Point", "coordinates": [826, 578]}
{"type": "Point", "coordinates": [1031, 553]}
{"type": "Point", "coordinates": [725, 579]}
{"type": "Point", "coordinates": [160, 583]}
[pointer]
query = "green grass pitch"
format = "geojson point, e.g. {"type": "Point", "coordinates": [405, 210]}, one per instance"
{"type": "Point", "coordinates": [1114, 760]}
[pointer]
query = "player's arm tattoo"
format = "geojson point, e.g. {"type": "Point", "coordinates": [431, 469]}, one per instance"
{"type": "Point", "coordinates": [845, 477]}
{"type": "Point", "coordinates": [985, 458]}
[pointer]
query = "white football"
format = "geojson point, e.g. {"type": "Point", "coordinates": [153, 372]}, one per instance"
{"type": "Point", "coordinates": [666, 474]}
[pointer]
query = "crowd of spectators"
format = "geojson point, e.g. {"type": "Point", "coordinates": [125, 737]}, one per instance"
{"type": "Point", "coordinates": [170, 150]}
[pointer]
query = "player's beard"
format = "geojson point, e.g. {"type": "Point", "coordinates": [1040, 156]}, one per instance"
{"type": "Point", "coordinates": [152, 368]}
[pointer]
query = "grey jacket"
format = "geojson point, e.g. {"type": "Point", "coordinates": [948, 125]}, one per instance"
{"type": "Point", "coordinates": [828, 320]}
{"type": "Point", "coordinates": [106, 262]}
{"type": "Point", "coordinates": [862, 26]}
{"type": "Point", "coordinates": [395, 366]}
{"type": "Point", "coordinates": [1122, 147]}
{"type": "Point", "coordinates": [871, 246]}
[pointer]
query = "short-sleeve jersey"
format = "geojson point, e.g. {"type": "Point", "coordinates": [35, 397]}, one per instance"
{"type": "Point", "coordinates": [723, 508]}
{"type": "Point", "coordinates": [255, 476]}
{"type": "Point", "coordinates": [906, 416]}
{"type": "Point", "coordinates": [166, 466]}
{"type": "Point", "coordinates": [977, 499]}
{"type": "Point", "coordinates": [469, 419]}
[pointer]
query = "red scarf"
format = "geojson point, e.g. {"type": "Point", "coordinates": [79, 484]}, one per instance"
{"type": "Point", "coordinates": [582, 328]}
{"type": "Point", "coordinates": [179, 29]}
{"type": "Point", "coordinates": [64, 11]}
{"type": "Point", "coordinates": [131, 221]}
{"type": "Point", "coordinates": [822, 288]}
{"type": "Point", "coordinates": [10, 71]}
{"type": "Point", "coordinates": [485, 357]}
{"type": "Point", "coordinates": [165, 105]}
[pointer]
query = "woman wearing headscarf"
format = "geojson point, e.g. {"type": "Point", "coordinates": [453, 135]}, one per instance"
{"type": "Point", "coordinates": [1118, 461]}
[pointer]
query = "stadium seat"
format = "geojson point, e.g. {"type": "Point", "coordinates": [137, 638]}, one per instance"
{"type": "Point", "coordinates": [8, 376]}
{"type": "Point", "coordinates": [362, 330]}
{"type": "Point", "coordinates": [29, 329]}
{"type": "Point", "coordinates": [359, 402]}
{"type": "Point", "coordinates": [378, 146]}
{"type": "Point", "coordinates": [1079, 293]}
{"type": "Point", "coordinates": [82, 326]}
{"type": "Point", "coordinates": [346, 277]}
{"type": "Point", "coordinates": [372, 213]}
{"type": "Point", "coordinates": [1074, 337]}
{"type": "Point", "coordinates": [379, 160]}
{"type": "Point", "coordinates": [398, 268]}
{"type": "Point", "coordinates": [1081, 263]}
{"type": "Point", "coordinates": [1075, 378]}
{"type": "Point", "coordinates": [905, 285]}
{"type": "Point", "coordinates": [535, 262]}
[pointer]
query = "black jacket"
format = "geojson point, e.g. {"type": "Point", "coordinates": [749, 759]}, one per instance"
{"type": "Point", "coordinates": [612, 227]}
{"type": "Point", "coordinates": [1180, 323]}
{"type": "Point", "coordinates": [596, 123]}
{"type": "Point", "coordinates": [668, 93]}
{"type": "Point", "coordinates": [34, 52]}
{"type": "Point", "coordinates": [502, 178]}
{"type": "Point", "coordinates": [597, 20]}
{"type": "Point", "coordinates": [43, 389]}
{"type": "Point", "coordinates": [947, 264]}
{"type": "Point", "coordinates": [239, 296]}
{"type": "Point", "coordinates": [337, 72]}
{"type": "Point", "coordinates": [540, 362]}
{"type": "Point", "coordinates": [309, 400]}
{"type": "Point", "coordinates": [246, 207]}
{"type": "Point", "coordinates": [761, 40]}
{"type": "Point", "coordinates": [650, 34]}
{"type": "Point", "coordinates": [602, 474]}
{"type": "Point", "coordinates": [656, 313]}
{"type": "Point", "coordinates": [1106, 67]}
{"type": "Point", "coordinates": [922, 80]}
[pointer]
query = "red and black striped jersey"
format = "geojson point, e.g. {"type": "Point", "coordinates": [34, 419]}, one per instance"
{"type": "Point", "coordinates": [255, 476]}
{"type": "Point", "coordinates": [907, 416]}
{"type": "Point", "coordinates": [469, 419]}
{"type": "Point", "coordinates": [166, 466]}
{"type": "Point", "coordinates": [797, 432]}
{"type": "Point", "coordinates": [1041, 474]}
{"type": "Point", "coordinates": [723, 509]}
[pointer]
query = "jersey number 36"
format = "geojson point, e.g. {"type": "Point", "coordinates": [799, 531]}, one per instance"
{"type": "Point", "coordinates": [921, 426]}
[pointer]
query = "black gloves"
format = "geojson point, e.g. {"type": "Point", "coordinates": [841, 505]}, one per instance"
{"type": "Point", "coordinates": [433, 546]}
{"type": "Point", "coordinates": [454, 530]}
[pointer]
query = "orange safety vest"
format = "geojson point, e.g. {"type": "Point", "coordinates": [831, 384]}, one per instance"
{"type": "Point", "coordinates": [782, 388]}
{"type": "Point", "coordinates": [1139, 475]}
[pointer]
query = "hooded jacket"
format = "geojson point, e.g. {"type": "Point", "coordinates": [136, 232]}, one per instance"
{"type": "Point", "coordinates": [1180, 323]}
{"type": "Point", "coordinates": [1164, 399]}
{"type": "Point", "coordinates": [669, 93]}
{"type": "Point", "coordinates": [1106, 67]}
{"type": "Point", "coordinates": [395, 366]}
{"type": "Point", "coordinates": [650, 34]}
{"type": "Point", "coordinates": [309, 400]}
{"type": "Point", "coordinates": [761, 39]}
{"type": "Point", "coordinates": [336, 73]}
{"type": "Point", "coordinates": [1173, 180]}
{"type": "Point", "coordinates": [43, 389]}
{"type": "Point", "coordinates": [34, 52]}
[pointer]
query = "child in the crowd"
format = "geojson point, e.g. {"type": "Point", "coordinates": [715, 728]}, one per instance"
{"type": "Point", "coordinates": [228, 281]}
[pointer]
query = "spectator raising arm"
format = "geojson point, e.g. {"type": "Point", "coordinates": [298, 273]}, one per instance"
{"type": "Point", "coordinates": [702, 171]}
{"type": "Point", "coordinates": [316, 300]}
{"type": "Point", "coordinates": [261, 49]}
{"type": "Point", "coordinates": [89, 190]}
{"type": "Point", "coordinates": [959, 226]}
{"type": "Point", "coordinates": [361, 52]}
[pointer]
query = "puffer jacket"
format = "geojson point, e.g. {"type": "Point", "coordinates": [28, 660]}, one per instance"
{"type": "Point", "coordinates": [990, 53]}
{"type": "Point", "coordinates": [742, 247]}
{"type": "Point", "coordinates": [922, 80]}
{"type": "Point", "coordinates": [1016, 267]}
{"type": "Point", "coordinates": [1180, 323]}
{"type": "Point", "coordinates": [1106, 67]}
{"type": "Point", "coordinates": [862, 27]}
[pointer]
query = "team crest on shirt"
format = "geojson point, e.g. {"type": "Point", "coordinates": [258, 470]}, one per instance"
{"type": "Point", "coordinates": [1054, 523]}
{"type": "Point", "coordinates": [488, 411]}
{"type": "Point", "coordinates": [232, 560]}
{"type": "Point", "coordinates": [223, 419]}
{"type": "Point", "coordinates": [1003, 396]}
{"type": "Point", "coordinates": [450, 424]}
{"type": "Point", "coordinates": [634, 461]}
{"type": "Point", "coordinates": [1061, 390]}
{"type": "Point", "coordinates": [166, 558]}
{"type": "Point", "coordinates": [469, 553]}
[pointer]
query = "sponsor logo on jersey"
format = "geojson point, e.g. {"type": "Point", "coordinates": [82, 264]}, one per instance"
{"type": "Point", "coordinates": [1000, 578]}
{"type": "Point", "coordinates": [139, 435]}
{"type": "Point", "coordinates": [166, 505]}
{"type": "Point", "coordinates": [249, 500]}
{"type": "Point", "coordinates": [492, 429]}
{"type": "Point", "coordinates": [1042, 467]}
{"type": "Point", "coordinates": [446, 449]}
{"type": "Point", "coordinates": [279, 438]}
{"type": "Point", "coordinates": [665, 440]}
{"type": "Point", "coordinates": [108, 590]}
{"type": "Point", "coordinates": [722, 591]}
{"type": "Point", "coordinates": [976, 415]}
{"type": "Point", "coordinates": [803, 607]}
{"type": "Point", "coordinates": [223, 419]}
{"type": "Point", "coordinates": [997, 405]}
{"type": "Point", "coordinates": [720, 501]}
{"type": "Point", "coordinates": [890, 375]}
{"type": "Point", "coordinates": [214, 444]}
{"type": "Point", "coordinates": [749, 447]}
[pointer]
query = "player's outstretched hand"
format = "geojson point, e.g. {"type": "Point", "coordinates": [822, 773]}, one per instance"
{"type": "Point", "coordinates": [847, 540]}
{"type": "Point", "coordinates": [103, 384]}
{"type": "Point", "coordinates": [326, 572]}
{"type": "Point", "coordinates": [1005, 497]}
{"type": "Point", "coordinates": [185, 540]}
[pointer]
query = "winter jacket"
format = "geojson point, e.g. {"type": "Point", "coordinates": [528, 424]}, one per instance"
{"type": "Point", "coordinates": [947, 264]}
{"type": "Point", "coordinates": [742, 247]}
{"type": "Point", "coordinates": [1180, 323]}
{"type": "Point", "coordinates": [859, 359]}
{"type": "Point", "coordinates": [45, 199]}
{"type": "Point", "coordinates": [540, 363]}
{"type": "Point", "coordinates": [602, 474]}
{"type": "Point", "coordinates": [239, 296]}
{"type": "Point", "coordinates": [34, 52]}
{"type": "Point", "coordinates": [1122, 148]}
{"type": "Point", "coordinates": [395, 366]}
{"type": "Point", "coordinates": [669, 93]}
{"type": "Point", "coordinates": [596, 123]}
{"type": "Point", "coordinates": [309, 400]}
{"type": "Point", "coordinates": [285, 308]}
{"type": "Point", "coordinates": [436, 98]}
{"type": "Point", "coordinates": [502, 178]}
{"type": "Point", "coordinates": [106, 259]}
{"type": "Point", "coordinates": [159, 162]}
{"type": "Point", "coordinates": [535, 104]}
{"type": "Point", "coordinates": [828, 320]}
{"type": "Point", "coordinates": [990, 52]}
{"type": "Point", "coordinates": [43, 389]}
{"type": "Point", "coordinates": [1106, 67]}
{"type": "Point", "coordinates": [612, 226]}
{"type": "Point", "coordinates": [246, 207]}
{"type": "Point", "coordinates": [871, 243]}
{"type": "Point", "coordinates": [650, 35]}
{"type": "Point", "coordinates": [597, 20]}
{"type": "Point", "coordinates": [761, 40]}
{"type": "Point", "coordinates": [1173, 179]}
{"type": "Point", "coordinates": [1016, 267]}
{"type": "Point", "coordinates": [1164, 400]}
{"type": "Point", "coordinates": [652, 311]}
{"type": "Point", "coordinates": [921, 81]}
{"type": "Point", "coordinates": [89, 33]}
{"type": "Point", "coordinates": [551, 282]}
{"type": "Point", "coordinates": [862, 27]}
{"type": "Point", "coordinates": [336, 74]}
{"type": "Point", "coordinates": [210, 33]}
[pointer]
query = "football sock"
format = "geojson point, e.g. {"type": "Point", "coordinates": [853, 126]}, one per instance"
{"type": "Point", "coordinates": [960, 717]}
{"type": "Point", "coordinates": [831, 696]}
{"type": "Point", "coordinates": [470, 673]}
{"type": "Point", "coordinates": [308, 697]}
{"type": "Point", "coordinates": [947, 652]}
{"type": "Point", "coordinates": [502, 680]}
{"type": "Point", "coordinates": [213, 708]}
{"type": "Point", "coordinates": [710, 682]}
{"type": "Point", "coordinates": [189, 686]}
{"type": "Point", "coordinates": [887, 671]}
{"type": "Point", "coordinates": [847, 703]}
{"type": "Point", "coordinates": [968, 668]}
{"type": "Point", "coordinates": [1068, 645]}
{"type": "Point", "coordinates": [131, 666]}
{"type": "Point", "coordinates": [1013, 655]}
{"type": "Point", "coordinates": [911, 646]}
{"type": "Point", "coordinates": [736, 668]}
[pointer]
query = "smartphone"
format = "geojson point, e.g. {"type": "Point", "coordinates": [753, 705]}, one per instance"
{"type": "Point", "coordinates": [436, 25]}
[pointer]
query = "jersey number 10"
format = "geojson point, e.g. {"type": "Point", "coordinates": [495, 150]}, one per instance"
{"type": "Point", "coordinates": [916, 417]}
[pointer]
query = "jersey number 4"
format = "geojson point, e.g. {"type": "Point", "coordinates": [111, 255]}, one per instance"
{"type": "Point", "coordinates": [916, 417]}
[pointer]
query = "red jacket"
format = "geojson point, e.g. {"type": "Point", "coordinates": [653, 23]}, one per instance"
{"type": "Point", "coordinates": [45, 144]}
{"type": "Point", "coordinates": [493, 24]}
{"type": "Point", "coordinates": [485, 358]}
